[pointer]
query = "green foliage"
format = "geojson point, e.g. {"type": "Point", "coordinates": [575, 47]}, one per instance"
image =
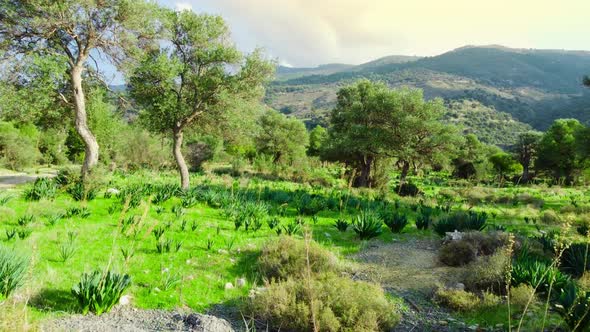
{"type": "Point", "coordinates": [367, 225]}
{"type": "Point", "coordinates": [12, 271]}
{"type": "Point", "coordinates": [341, 225]}
{"type": "Point", "coordinates": [42, 188]}
{"type": "Point", "coordinates": [17, 150]}
{"type": "Point", "coordinates": [317, 140]}
{"type": "Point", "coordinates": [539, 274]}
{"type": "Point", "coordinates": [395, 220]}
{"type": "Point", "coordinates": [25, 220]}
{"type": "Point", "coordinates": [286, 258]}
{"type": "Point", "coordinates": [81, 191]}
{"type": "Point", "coordinates": [573, 305]}
{"type": "Point", "coordinates": [339, 304]}
{"type": "Point", "coordinates": [504, 164]}
{"type": "Point", "coordinates": [575, 259]}
{"type": "Point", "coordinates": [488, 272]}
{"type": "Point", "coordinates": [283, 138]}
{"type": "Point", "coordinates": [461, 221]}
{"type": "Point", "coordinates": [98, 292]}
{"type": "Point", "coordinates": [557, 154]}
{"type": "Point", "coordinates": [457, 300]}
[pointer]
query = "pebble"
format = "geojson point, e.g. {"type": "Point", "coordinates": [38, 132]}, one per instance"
{"type": "Point", "coordinates": [229, 285]}
{"type": "Point", "coordinates": [125, 300]}
{"type": "Point", "coordinates": [113, 191]}
{"type": "Point", "coordinates": [156, 289]}
{"type": "Point", "coordinates": [241, 282]}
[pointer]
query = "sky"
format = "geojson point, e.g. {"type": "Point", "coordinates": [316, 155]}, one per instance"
{"type": "Point", "coordinates": [306, 33]}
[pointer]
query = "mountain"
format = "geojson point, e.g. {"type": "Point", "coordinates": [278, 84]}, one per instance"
{"type": "Point", "coordinates": [533, 87]}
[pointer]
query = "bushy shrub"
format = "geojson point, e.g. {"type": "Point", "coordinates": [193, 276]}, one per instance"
{"type": "Point", "coordinates": [12, 271]}
{"type": "Point", "coordinates": [42, 188]}
{"type": "Point", "coordinates": [408, 189]}
{"type": "Point", "coordinates": [521, 295]}
{"type": "Point", "coordinates": [456, 253]}
{"type": "Point", "coordinates": [367, 225]}
{"type": "Point", "coordinates": [67, 176]}
{"type": "Point", "coordinates": [287, 257]}
{"type": "Point", "coordinates": [573, 305]}
{"type": "Point", "coordinates": [488, 272]}
{"type": "Point", "coordinates": [486, 243]}
{"type": "Point", "coordinates": [550, 217]}
{"type": "Point", "coordinates": [461, 221]}
{"type": "Point", "coordinates": [339, 304]}
{"type": "Point", "coordinates": [17, 150]}
{"type": "Point", "coordinates": [457, 300]}
{"type": "Point", "coordinates": [98, 292]}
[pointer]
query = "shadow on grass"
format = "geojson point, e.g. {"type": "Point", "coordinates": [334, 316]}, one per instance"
{"type": "Point", "coordinates": [54, 300]}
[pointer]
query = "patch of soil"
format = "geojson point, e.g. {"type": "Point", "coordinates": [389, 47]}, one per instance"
{"type": "Point", "coordinates": [410, 269]}
{"type": "Point", "coordinates": [137, 320]}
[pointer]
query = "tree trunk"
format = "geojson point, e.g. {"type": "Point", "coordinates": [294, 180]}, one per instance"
{"type": "Point", "coordinates": [525, 174]}
{"type": "Point", "coordinates": [364, 178]}
{"type": "Point", "coordinates": [81, 122]}
{"type": "Point", "coordinates": [404, 174]}
{"type": "Point", "coordinates": [180, 162]}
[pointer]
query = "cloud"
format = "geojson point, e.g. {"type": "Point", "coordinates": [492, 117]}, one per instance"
{"type": "Point", "coordinates": [180, 6]}
{"type": "Point", "coordinates": [310, 32]}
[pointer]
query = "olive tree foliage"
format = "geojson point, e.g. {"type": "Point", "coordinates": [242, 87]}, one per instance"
{"type": "Point", "coordinates": [283, 138]}
{"type": "Point", "coordinates": [193, 77]}
{"type": "Point", "coordinates": [74, 32]}
{"type": "Point", "coordinates": [558, 152]}
{"type": "Point", "coordinates": [372, 125]}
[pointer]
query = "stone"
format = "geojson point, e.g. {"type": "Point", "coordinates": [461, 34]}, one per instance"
{"type": "Point", "coordinates": [229, 285]}
{"type": "Point", "coordinates": [241, 282]}
{"type": "Point", "coordinates": [222, 252]}
{"type": "Point", "coordinates": [113, 191]}
{"type": "Point", "coordinates": [206, 323]}
{"type": "Point", "coordinates": [459, 286]}
{"type": "Point", "coordinates": [125, 300]}
{"type": "Point", "coordinates": [443, 323]}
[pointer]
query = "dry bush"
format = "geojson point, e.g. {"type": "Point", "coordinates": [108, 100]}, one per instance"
{"type": "Point", "coordinates": [550, 217]}
{"type": "Point", "coordinates": [339, 304]}
{"type": "Point", "coordinates": [488, 273]}
{"type": "Point", "coordinates": [457, 300]}
{"type": "Point", "coordinates": [286, 257]}
{"type": "Point", "coordinates": [521, 295]}
{"type": "Point", "coordinates": [457, 253]}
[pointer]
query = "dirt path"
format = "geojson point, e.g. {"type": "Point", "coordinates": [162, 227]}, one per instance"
{"type": "Point", "coordinates": [10, 180]}
{"type": "Point", "coordinates": [410, 269]}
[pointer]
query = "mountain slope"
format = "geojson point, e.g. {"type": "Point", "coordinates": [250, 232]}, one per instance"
{"type": "Point", "coordinates": [533, 86]}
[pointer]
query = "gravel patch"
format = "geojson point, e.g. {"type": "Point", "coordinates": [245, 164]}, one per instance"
{"type": "Point", "coordinates": [138, 320]}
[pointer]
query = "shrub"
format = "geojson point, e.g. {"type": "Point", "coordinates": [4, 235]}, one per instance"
{"type": "Point", "coordinates": [67, 176]}
{"type": "Point", "coordinates": [394, 220]}
{"type": "Point", "coordinates": [339, 304]}
{"type": "Point", "coordinates": [576, 259]}
{"type": "Point", "coordinates": [521, 295]}
{"type": "Point", "coordinates": [461, 221]}
{"type": "Point", "coordinates": [456, 253]}
{"type": "Point", "coordinates": [408, 189]}
{"type": "Point", "coordinates": [486, 243]}
{"type": "Point", "coordinates": [573, 305]}
{"type": "Point", "coordinates": [538, 274]}
{"type": "Point", "coordinates": [550, 217]}
{"type": "Point", "coordinates": [286, 257]}
{"type": "Point", "coordinates": [17, 150]}
{"type": "Point", "coordinates": [82, 192]}
{"type": "Point", "coordinates": [12, 271]}
{"type": "Point", "coordinates": [42, 188]}
{"type": "Point", "coordinates": [367, 225]}
{"type": "Point", "coordinates": [457, 300]}
{"type": "Point", "coordinates": [98, 292]}
{"type": "Point", "coordinates": [488, 273]}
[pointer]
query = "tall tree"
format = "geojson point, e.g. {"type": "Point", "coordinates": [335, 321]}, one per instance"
{"type": "Point", "coordinates": [525, 151]}
{"type": "Point", "coordinates": [75, 31]}
{"type": "Point", "coordinates": [558, 151]}
{"type": "Point", "coordinates": [193, 77]}
{"type": "Point", "coordinates": [372, 123]}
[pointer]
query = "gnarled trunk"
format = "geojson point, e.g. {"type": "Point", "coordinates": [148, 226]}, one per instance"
{"type": "Point", "coordinates": [180, 162]}
{"type": "Point", "coordinates": [364, 178]}
{"type": "Point", "coordinates": [404, 172]}
{"type": "Point", "coordinates": [81, 122]}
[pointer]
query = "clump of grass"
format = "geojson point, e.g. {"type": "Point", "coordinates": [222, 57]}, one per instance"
{"type": "Point", "coordinates": [42, 188]}
{"type": "Point", "coordinates": [12, 271]}
{"type": "Point", "coordinates": [127, 253]}
{"type": "Point", "coordinates": [23, 233]}
{"type": "Point", "coordinates": [10, 234]}
{"type": "Point", "coordinates": [98, 292]}
{"type": "Point", "coordinates": [394, 220]}
{"type": "Point", "coordinates": [53, 219]}
{"type": "Point", "coordinates": [25, 220]}
{"type": "Point", "coordinates": [158, 232]}
{"type": "Point", "coordinates": [273, 223]}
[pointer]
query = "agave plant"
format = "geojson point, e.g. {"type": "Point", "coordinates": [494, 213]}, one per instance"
{"type": "Point", "coordinates": [98, 292]}
{"type": "Point", "coordinates": [367, 225]}
{"type": "Point", "coordinates": [12, 271]}
{"type": "Point", "coordinates": [42, 188]}
{"type": "Point", "coordinates": [341, 225]}
{"type": "Point", "coordinates": [394, 220]}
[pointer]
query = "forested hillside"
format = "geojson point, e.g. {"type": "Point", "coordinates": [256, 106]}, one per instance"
{"type": "Point", "coordinates": [534, 86]}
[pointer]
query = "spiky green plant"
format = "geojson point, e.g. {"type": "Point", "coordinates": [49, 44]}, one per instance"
{"type": "Point", "coordinates": [394, 220]}
{"type": "Point", "coordinates": [367, 225]}
{"type": "Point", "coordinates": [12, 271]}
{"type": "Point", "coordinates": [10, 234]}
{"type": "Point", "coordinates": [341, 225]}
{"type": "Point", "coordinates": [42, 188]}
{"type": "Point", "coordinates": [98, 292]}
{"type": "Point", "coordinates": [25, 220]}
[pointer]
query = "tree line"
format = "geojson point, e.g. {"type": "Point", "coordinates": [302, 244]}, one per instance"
{"type": "Point", "coordinates": [191, 92]}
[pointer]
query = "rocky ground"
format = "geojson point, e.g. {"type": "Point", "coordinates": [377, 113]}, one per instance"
{"type": "Point", "coordinates": [136, 320]}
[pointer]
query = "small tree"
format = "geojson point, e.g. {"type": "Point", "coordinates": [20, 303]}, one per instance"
{"type": "Point", "coordinates": [317, 138]}
{"type": "Point", "coordinates": [558, 151]}
{"type": "Point", "coordinates": [72, 31]}
{"type": "Point", "coordinates": [282, 137]}
{"type": "Point", "coordinates": [503, 164]}
{"type": "Point", "coordinates": [193, 77]}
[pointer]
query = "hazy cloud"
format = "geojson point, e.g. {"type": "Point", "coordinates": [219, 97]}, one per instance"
{"type": "Point", "coordinates": [310, 32]}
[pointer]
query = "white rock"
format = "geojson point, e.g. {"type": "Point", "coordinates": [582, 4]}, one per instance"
{"type": "Point", "coordinates": [156, 289]}
{"type": "Point", "coordinates": [125, 300]}
{"type": "Point", "coordinates": [229, 285]}
{"type": "Point", "coordinates": [241, 282]}
{"type": "Point", "coordinates": [459, 286]}
{"type": "Point", "coordinates": [113, 191]}
{"type": "Point", "coordinates": [222, 251]}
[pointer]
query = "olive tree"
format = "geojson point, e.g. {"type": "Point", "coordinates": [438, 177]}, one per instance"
{"type": "Point", "coordinates": [193, 78]}
{"type": "Point", "coordinates": [74, 32]}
